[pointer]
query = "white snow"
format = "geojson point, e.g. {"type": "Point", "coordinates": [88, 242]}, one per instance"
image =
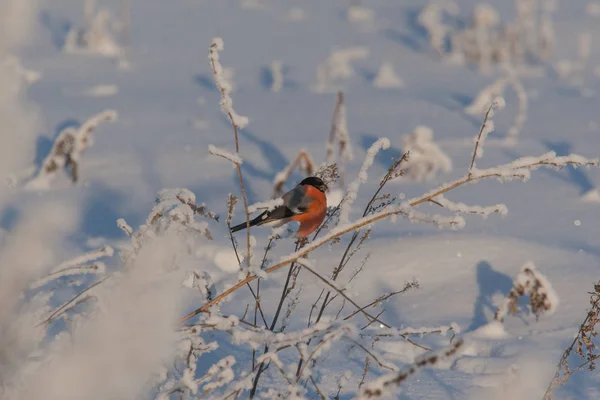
{"type": "Point", "coordinates": [167, 99]}
{"type": "Point", "coordinates": [387, 78]}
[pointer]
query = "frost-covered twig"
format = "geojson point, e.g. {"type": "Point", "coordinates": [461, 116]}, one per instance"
{"type": "Point", "coordinates": [237, 121]}
{"type": "Point", "coordinates": [388, 383]}
{"type": "Point", "coordinates": [486, 97]}
{"type": "Point", "coordinates": [304, 263]}
{"type": "Point", "coordinates": [352, 192]}
{"type": "Point", "coordinates": [521, 117]}
{"type": "Point", "coordinates": [329, 155]}
{"type": "Point", "coordinates": [339, 133]}
{"type": "Point", "coordinates": [234, 158]}
{"type": "Point", "coordinates": [72, 302]}
{"type": "Point", "coordinates": [76, 266]}
{"type": "Point", "coordinates": [421, 331]}
{"type": "Point", "coordinates": [529, 282]}
{"type": "Point", "coordinates": [305, 165]}
{"type": "Point", "coordinates": [583, 344]}
{"type": "Point", "coordinates": [407, 286]}
{"type": "Point", "coordinates": [67, 150]}
{"type": "Point", "coordinates": [467, 209]}
{"type": "Point", "coordinates": [486, 128]}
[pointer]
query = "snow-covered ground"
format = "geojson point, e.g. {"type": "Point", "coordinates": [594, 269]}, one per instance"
{"type": "Point", "coordinates": [282, 57]}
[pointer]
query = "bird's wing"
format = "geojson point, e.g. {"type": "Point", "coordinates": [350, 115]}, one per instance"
{"type": "Point", "coordinates": [296, 200]}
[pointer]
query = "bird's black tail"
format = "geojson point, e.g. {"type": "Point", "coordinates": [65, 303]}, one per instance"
{"type": "Point", "coordinates": [253, 222]}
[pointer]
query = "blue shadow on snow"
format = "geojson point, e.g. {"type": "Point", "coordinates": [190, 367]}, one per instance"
{"type": "Point", "coordinates": [489, 282]}
{"type": "Point", "coordinates": [58, 28]}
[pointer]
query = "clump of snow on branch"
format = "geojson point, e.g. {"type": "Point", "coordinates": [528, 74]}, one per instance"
{"type": "Point", "coordinates": [352, 192]}
{"type": "Point", "coordinates": [216, 151]}
{"type": "Point", "coordinates": [387, 78]}
{"type": "Point", "coordinates": [532, 283]}
{"type": "Point", "coordinates": [67, 150]}
{"type": "Point", "coordinates": [338, 66]}
{"type": "Point", "coordinates": [426, 158]}
{"type": "Point", "coordinates": [224, 85]}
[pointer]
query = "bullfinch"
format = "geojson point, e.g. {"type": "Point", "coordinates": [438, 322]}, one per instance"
{"type": "Point", "coordinates": [306, 203]}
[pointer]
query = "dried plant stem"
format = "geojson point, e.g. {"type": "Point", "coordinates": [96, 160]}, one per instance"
{"type": "Point", "coordinates": [237, 166]}
{"type": "Point", "coordinates": [284, 293]}
{"type": "Point", "coordinates": [255, 295]}
{"type": "Point", "coordinates": [478, 141]}
{"type": "Point", "coordinates": [59, 311]}
{"type": "Point", "coordinates": [284, 175]}
{"type": "Point", "coordinates": [319, 392]}
{"type": "Point", "coordinates": [333, 129]}
{"type": "Point", "coordinates": [590, 319]}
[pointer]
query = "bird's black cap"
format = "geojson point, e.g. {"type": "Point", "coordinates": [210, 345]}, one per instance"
{"type": "Point", "coordinates": [316, 182]}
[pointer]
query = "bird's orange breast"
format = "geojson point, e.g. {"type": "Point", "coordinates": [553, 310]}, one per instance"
{"type": "Point", "coordinates": [314, 216]}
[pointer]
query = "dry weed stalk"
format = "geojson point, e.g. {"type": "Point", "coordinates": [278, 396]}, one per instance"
{"type": "Point", "coordinates": [305, 165]}
{"type": "Point", "coordinates": [387, 383]}
{"type": "Point", "coordinates": [339, 132]}
{"type": "Point", "coordinates": [529, 282]}
{"type": "Point", "coordinates": [237, 122]}
{"type": "Point", "coordinates": [583, 344]}
{"type": "Point", "coordinates": [68, 148]}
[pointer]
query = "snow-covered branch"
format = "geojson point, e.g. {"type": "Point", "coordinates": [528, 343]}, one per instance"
{"type": "Point", "coordinates": [462, 208]}
{"type": "Point", "coordinates": [224, 85]}
{"type": "Point", "coordinates": [67, 150]}
{"type": "Point", "coordinates": [77, 266]}
{"type": "Point", "coordinates": [234, 158]}
{"type": "Point", "coordinates": [387, 384]}
{"type": "Point", "coordinates": [351, 194]}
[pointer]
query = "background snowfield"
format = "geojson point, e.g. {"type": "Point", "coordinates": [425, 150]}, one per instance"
{"type": "Point", "coordinates": [169, 113]}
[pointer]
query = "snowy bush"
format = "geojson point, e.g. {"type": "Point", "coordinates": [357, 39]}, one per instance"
{"type": "Point", "coordinates": [336, 67]}
{"type": "Point", "coordinates": [97, 36]}
{"type": "Point", "coordinates": [485, 41]}
{"type": "Point", "coordinates": [426, 158]}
